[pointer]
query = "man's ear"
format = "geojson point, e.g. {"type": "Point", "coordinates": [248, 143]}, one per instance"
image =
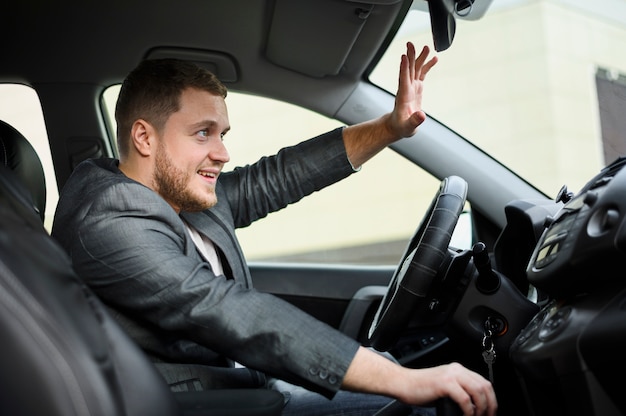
{"type": "Point", "coordinates": [142, 135]}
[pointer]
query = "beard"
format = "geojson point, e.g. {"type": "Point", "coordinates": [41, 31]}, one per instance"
{"type": "Point", "coordinates": [172, 185]}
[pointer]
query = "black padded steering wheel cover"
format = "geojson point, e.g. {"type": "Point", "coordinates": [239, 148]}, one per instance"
{"type": "Point", "coordinates": [416, 272]}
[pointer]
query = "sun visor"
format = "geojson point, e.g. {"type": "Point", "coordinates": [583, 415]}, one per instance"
{"type": "Point", "coordinates": [315, 37]}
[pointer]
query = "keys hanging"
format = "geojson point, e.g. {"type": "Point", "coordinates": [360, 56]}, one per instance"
{"type": "Point", "coordinates": [489, 352]}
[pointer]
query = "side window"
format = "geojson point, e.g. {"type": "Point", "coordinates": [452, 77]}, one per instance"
{"type": "Point", "coordinates": [364, 219]}
{"type": "Point", "coordinates": [367, 218]}
{"type": "Point", "coordinates": [20, 107]}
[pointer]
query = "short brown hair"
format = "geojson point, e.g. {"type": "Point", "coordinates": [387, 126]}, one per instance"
{"type": "Point", "coordinates": [152, 92]}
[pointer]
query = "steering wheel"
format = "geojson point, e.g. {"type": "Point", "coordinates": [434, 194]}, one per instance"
{"type": "Point", "coordinates": [420, 264]}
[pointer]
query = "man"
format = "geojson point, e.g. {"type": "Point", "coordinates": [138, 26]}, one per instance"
{"type": "Point", "coordinates": [153, 235]}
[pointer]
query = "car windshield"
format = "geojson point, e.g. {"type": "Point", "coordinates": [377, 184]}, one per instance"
{"type": "Point", "coordinates": [538, 85]}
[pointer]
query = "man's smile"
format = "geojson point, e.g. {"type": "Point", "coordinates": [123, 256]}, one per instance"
{"type": "Point", "coordinates": [209, 175]}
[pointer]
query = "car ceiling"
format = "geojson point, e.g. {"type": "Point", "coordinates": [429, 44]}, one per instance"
{"type": "Point", "coordinates": [263, 47]}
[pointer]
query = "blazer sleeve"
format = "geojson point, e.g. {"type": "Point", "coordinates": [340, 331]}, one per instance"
{"type": "Point", "coordinates": [273, 182]}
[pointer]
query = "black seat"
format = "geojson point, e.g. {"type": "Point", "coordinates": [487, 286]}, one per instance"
{"type": "Point", "coordinates": [17, 154]}
{"type": "Point", "coordinates": [62, 354]}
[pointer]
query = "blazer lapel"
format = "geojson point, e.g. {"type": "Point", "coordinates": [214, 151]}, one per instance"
{"type": "Point", "coordinates": [214, 228]}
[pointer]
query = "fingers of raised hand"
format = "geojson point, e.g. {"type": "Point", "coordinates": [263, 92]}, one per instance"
{"type": "Point", "coordinates": [419, 67]}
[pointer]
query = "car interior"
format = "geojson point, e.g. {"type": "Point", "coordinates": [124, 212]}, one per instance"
{"type": "Point", "coordinates": [535, 302]}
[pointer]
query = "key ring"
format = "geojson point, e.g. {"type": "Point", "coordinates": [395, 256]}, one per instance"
{"type": "Point", "coordinates": [487, 340]}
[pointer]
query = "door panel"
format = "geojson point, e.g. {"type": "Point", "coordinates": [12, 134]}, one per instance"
{"type": "Point", "coordinates": [342, 296]}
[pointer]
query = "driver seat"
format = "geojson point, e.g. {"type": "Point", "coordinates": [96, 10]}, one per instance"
{"type": "Point", "coordinates": [62, 353]}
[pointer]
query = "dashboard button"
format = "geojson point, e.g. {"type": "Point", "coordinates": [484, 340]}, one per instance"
{"type": "Point", "coordinates": [554, 324]}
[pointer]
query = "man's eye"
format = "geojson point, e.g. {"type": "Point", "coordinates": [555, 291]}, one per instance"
{"type": "Point", "coordinates": [203, 133]}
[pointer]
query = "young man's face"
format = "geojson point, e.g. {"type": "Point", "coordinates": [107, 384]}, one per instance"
{"type": "Point", "coordinates": [191, 153]}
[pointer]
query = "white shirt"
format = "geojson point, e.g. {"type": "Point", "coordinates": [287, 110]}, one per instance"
{"type": "Point", "coordinates": [207, 249]}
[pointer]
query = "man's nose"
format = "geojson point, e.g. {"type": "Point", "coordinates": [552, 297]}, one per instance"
{"type": "Point", "coordinates": [219, 152]}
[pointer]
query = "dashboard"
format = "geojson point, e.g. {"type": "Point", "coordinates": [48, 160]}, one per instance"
{"type": "Point", "coordinates": [570, 353]}
{"type": "Point", "coordinates": [583, 244]}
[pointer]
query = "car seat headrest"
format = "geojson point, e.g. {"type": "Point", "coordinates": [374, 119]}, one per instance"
{"type": "Point", "coordinates": [17, 154]}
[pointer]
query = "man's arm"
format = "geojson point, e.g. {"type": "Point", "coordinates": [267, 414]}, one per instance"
{"type": "Point", "coordinates": [372, 373]}
{"type": "Point", "coordinates": [364, 140]}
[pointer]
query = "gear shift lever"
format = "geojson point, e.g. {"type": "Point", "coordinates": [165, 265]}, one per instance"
{"type": "Point", "coordinates": [488, 281]}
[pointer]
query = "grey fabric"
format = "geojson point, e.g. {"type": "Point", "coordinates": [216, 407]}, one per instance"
{"type": "Point", "coordinates": [133, 250]}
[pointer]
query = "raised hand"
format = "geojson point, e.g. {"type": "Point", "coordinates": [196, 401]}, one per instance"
{"type": "Point", "coordinates": [407, 114]}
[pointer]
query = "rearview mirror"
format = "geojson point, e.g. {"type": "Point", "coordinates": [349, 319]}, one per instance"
{"type": "Point", "coordinates": [443, 14]}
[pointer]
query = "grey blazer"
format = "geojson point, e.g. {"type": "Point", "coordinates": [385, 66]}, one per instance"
{"type": "Point", "coordinates": [132, 248]}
